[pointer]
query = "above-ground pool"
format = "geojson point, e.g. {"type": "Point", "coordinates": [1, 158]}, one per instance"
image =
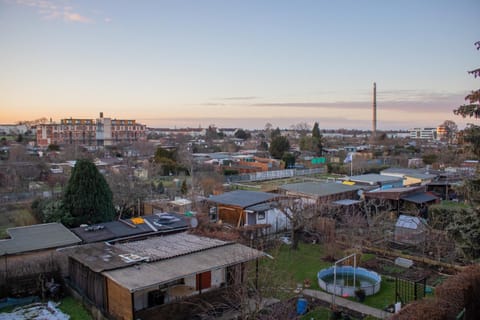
{"type": "Point", "coordinates": [365, 279]}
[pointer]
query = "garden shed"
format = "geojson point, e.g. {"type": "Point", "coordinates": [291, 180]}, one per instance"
{"type": "Point", "coordinates": [410, 230]}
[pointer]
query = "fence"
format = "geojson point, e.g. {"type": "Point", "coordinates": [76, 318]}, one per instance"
{"type": "Point", "coordinates": [272, 175]}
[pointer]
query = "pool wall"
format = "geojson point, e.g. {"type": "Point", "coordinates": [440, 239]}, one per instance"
{"type": "Point", "coordinates": [372, 287]}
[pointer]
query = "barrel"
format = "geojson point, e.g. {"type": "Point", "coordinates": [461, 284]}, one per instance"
{"type": "Point", "coordinates": [301, 306]}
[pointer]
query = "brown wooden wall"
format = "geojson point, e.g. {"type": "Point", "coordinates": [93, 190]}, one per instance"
{"type": "Point", "coordinates": [88, 283]}
{"type": "Point", "coordinates": [119, 301]}
{"type": "Point", "coordinates": [14, 268]}
{"type": "Point", "coordinates": [231, 215]}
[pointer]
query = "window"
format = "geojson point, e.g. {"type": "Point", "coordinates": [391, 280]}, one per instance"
{"type": "Point", "coordinates": [261, 215]}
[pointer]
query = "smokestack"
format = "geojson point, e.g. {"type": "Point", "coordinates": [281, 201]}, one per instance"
{"type": "Point", "coordinates": [374, 128]}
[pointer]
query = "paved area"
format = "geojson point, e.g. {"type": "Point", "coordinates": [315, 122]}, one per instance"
{"type": "Point", "coordinates": [348, 304]}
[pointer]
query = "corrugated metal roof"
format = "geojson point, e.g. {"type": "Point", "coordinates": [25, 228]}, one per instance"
{"type": "Point", "coordinates": [158, 248]}
{"type": "Point", "coordinates": [420, 197]}
{"type": "Point", "coordinates": [242, 198]}
{"type": "Point", "coordinates": [102, 256]}
{"type": "Point", "coordinates": [37, 237]}
{"type": "Point", "coordinates": [319, 189]}
{"type": "Point", "coordinates": [146, 275]}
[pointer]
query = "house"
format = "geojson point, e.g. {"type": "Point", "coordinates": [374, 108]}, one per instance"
{"type": "Point", "coordinates": [374, 179]}
{"type": "Point", "coordinates": [410, 230]}
{"type": "Point", "coordinates": [411, 177]}
{"type": "Point", "coordinates": [30, 252]}
{"type": "Point", "coordinates": [145, 279]}
{"type": "Point", "coordinates": [242, 208]}
{"type": "Point", "coordinates": [321, 192]}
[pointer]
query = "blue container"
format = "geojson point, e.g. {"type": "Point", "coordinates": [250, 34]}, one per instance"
{"type": "Point", "coordinates": [301, 306]}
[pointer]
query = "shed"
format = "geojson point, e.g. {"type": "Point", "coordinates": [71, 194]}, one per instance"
{"type": "Point", "coordinates": [242, 207]}
{"type": "Point", "coordinates": [410, 230]}
{"type": "Point", "coordinates": [30, 252]}
{"type": "Point", "coordinates": [321, 192]}
{"type": "Point", "coordinates": [131, 280]}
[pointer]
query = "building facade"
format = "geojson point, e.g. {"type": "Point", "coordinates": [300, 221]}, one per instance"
{"type": "Point", "coordinates": [423, 133]}
{"type": "Point", "coordinates": [88, 132]}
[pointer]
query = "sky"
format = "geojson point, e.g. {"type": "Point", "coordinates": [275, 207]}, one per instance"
{"type": "Point", "coordinates": [239, 63]}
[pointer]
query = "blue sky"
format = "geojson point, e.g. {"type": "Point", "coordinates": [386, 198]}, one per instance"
{"type": "Point", "coordinates": [238, 63]}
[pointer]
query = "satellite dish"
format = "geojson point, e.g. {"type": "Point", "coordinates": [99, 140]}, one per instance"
{"type": "Point", "coordinates": [193, 222]}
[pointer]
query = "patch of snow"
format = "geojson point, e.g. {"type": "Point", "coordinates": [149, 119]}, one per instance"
{"type": "Point", "coordinates": [44, 311]}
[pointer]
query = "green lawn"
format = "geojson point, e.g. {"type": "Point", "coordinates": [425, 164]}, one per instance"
{"type": "Point", "coordinates": [301, 264]}
{"type": "Point", "coordinates": [307, 261]}
{"type": "Point", "coordinates": [74, 309]}
{"type": "Point", "coordinates": [317, 314]}
{"type": "Point", "coordinates": [385, 296]}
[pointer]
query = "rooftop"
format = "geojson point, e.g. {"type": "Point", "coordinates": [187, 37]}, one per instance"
{"type": "Point", "coordinates": [156, 223]}
{"type": "Point", "coordinates": [409, 222]}
{"type": "Point", "coordinates": [372, 178]}
{"type": "Point", "coordinates": [243, 198]}
{"type": "Point", "coordinates": [319, 189]}
{"type": "Point", "coordinates": [146, 275]}
{"type": "Point", "coordinates": [37, 237]}
{"type": "Point", "coordinates": [104, 256]}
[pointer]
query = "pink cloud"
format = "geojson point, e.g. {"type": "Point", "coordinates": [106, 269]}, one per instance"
{"type": "Point", "coordinates": [52, 10]}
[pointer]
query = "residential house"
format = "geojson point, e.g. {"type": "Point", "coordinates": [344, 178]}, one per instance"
{"type": "Point", "coordinates": [145, 279]}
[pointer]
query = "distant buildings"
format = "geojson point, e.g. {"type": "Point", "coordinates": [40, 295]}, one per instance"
{"type": "Point", "coordinates": [423, 133]}
{"type": "Point", "coordinates": [89, 132]}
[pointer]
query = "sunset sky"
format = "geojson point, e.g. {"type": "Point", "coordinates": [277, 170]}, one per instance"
{"type": "Point", "coordinates": [238, 63]}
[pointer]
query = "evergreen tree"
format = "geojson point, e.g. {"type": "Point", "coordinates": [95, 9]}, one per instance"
{"type": "Point", "coordinates": [289, 159]}
{"type": "Point", "coordinates": [279, 146]}
{"type": "Point", "coordinates": [316, 143]}
{"type": "Point", "coordinates": [88, 198]}
{"type": "Point", "coordinates": [184, 188]}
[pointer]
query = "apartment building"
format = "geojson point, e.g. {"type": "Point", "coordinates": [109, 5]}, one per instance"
{"type": "Point", "coordinates": [89, 132]}
{"type": "Point", "coordinates": [423, 133]}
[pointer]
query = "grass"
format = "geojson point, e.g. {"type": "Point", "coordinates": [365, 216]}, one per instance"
{"type": "Point", "coordinates": [317, 314]}
{"type": "Point", "coordinates": [74, 309]}
{"type": "Point", "coordinates": [384, 297]}
{"type": "Point", "coordinates": [303, 263]}
{"type": "Point", "coordinates": [15, 216]}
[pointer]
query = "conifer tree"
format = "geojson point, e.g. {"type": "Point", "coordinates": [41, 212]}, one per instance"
{"type": "Point", "coordinates": [87, 197]}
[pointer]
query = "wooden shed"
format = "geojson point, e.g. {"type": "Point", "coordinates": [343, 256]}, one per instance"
{"type": "Point", "coordinates": [129, 280]}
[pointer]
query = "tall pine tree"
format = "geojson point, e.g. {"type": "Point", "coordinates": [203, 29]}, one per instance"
{"type": "Point", "coordinates": [317, 142]}
{"type": "Point", "coordinates": [87, 197]}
